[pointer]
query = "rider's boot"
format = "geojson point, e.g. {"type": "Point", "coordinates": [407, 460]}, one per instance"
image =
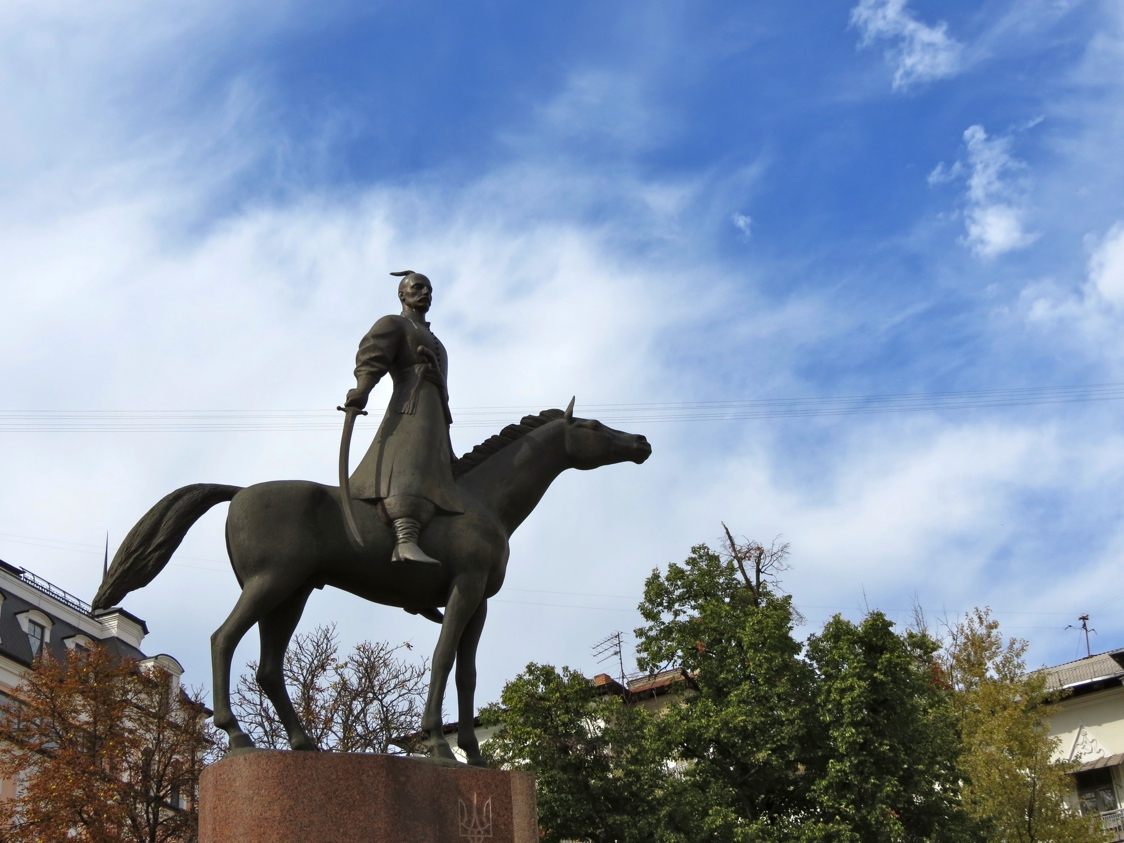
{"type": "Point", "coordinates": [406, 550]}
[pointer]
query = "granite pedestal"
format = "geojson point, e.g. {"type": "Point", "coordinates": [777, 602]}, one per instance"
{"type": "Point", "coordinates": [325, 797]}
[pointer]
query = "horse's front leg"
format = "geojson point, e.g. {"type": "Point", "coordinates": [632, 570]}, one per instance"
{"type": "Point", "coordinates": [463, 603]}
{"type": "Point", "coordinates": [466, 686]}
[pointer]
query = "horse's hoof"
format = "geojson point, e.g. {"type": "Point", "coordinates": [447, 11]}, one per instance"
{"type": "Point", "coordinates": [305, 745]}
{"type": "Point", "coordinates": [442, 751]}
{"type": "Point", "coordinates": [240, 744]}
{"type": "Point", "coordinates": [477, 761]}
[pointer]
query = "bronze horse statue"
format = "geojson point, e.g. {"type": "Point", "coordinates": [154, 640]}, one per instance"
{"type": "Point", "coordinates": [288, 537]}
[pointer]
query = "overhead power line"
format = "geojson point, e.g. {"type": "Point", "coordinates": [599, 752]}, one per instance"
{"type": "Point", "coordinates": [148, 421]}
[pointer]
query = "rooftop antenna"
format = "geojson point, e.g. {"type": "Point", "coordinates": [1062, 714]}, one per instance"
{"type": "Point", "coordinates": [105, 563]}
{"type": "Point", "coordinates": [608, 647]}
{"type": "Point", "coordinates": [1084, 626]}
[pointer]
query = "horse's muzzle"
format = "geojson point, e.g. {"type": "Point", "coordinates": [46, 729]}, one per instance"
{"type": "Point", "coordinates": [642, 450]}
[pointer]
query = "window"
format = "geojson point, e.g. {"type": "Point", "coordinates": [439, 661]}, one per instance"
{"type": "Point", "coordinates": [38, 628]}
{"type": "Point", "coordinates": [35, 634]}
{"type": "Point", "coordinates": [78, 642]}
{"type": "Point", "coordinates": [1095, 791]}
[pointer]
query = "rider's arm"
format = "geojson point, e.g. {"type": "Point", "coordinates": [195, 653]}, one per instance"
{"type": "Point", "coordinates": [377, 351]}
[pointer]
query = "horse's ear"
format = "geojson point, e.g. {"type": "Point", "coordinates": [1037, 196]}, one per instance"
{"type": "Point", "coordinates": [569, 416]}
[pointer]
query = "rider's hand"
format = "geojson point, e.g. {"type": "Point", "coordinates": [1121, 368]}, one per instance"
{"type": "Point", "coordinates": [355, 399]}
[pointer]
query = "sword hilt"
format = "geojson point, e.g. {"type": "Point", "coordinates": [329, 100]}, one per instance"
{"type": "Point", "coordinates": [346, 409]}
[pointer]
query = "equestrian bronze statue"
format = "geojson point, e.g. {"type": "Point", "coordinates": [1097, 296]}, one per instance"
{"type": "Point", "coordinates": [286, 538]}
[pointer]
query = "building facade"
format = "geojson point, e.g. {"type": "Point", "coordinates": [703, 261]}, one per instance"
{"type": "Point", "coordinates": [1089, 724]}
{"type": "Point", "coordinates": [37, 616]}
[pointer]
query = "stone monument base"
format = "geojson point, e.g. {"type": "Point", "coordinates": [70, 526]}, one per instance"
{"type": "Point", "coordinates": [272, 796]}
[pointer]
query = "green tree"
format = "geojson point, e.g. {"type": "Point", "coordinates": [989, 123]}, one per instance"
{"type": "Point", "coordinates": [854, 739]}
{"type": "Point", "coordinates": [741, 729]}
{"type": "Point", "coordinates": [600, 774]}
{"type": "Point", "coordinates": [105, 750]}
{"type": "Point", "coordinates": [1014, 787]}
{"type": "Point", "coordinates": [888, 768]}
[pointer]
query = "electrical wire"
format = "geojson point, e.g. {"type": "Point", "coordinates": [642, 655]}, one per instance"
{"type": "Point", "coordinates": [147, 421]}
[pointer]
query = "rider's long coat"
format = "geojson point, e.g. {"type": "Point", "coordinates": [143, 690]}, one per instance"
{"type": "Point", "coordinates": [411, 454]}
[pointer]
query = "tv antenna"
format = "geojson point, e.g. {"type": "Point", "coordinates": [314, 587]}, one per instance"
{"type": "Point", "coordinates": [608, 647]}
{"type": "Point", "coordinates": [1084, 626]}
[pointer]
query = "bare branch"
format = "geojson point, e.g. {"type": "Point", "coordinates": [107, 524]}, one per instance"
{"type": "Point", "coordinates": [766, 562]}
{"type": "Point", "coordinates": [357, 704]}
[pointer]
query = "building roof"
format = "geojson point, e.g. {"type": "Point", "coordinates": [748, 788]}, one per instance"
{"type": "Point", "coordinates": [1100, 670]}
{"type": "Point", "coordinates": [639, 687]}
{"type": "Point", "coordinates": [21, 591]}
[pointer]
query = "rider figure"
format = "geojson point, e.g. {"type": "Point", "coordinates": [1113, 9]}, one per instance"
{"type": "Point", "coordinates": [408, 468]}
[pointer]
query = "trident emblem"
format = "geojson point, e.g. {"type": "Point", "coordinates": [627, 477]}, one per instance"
{"type": "Point", "coordinates": [476, 826]}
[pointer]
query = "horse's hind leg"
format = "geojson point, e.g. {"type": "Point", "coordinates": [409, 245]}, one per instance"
{"type": "Point", "coordinates": [276, 629]}
{"type": "Point", "coordinates": [259, 597]}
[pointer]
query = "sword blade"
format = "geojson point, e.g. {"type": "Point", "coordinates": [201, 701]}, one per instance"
{"type": "Point", "coordinates": [345, 474]}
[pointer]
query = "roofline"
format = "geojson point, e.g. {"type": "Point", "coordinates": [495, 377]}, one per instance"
{"type": "Point", "coordinates": [1117, 676]}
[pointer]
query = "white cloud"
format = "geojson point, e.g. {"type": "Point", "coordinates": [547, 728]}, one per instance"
{"type": "Point", "coordinates": [109, 306]}
{"type": "Point", "coordinates": [112, 302]}
{"type": "Point", "coordinates": [264, 310]}
{"type": "Point", "coordinates": [1106, 266]}
{"type": "Point", "coordinates": [744, 224]}
{"type": "Point", "coordinates": [1089, 313]}
{"type": "Point", "coordinates": [942, 174]}
{"type": "Point", "coordinates": [994, 212]}
{"type": "Point", "coordinates": [597, 105]}
{"type": "Point", "coordinates": [921, 52]}
{"type": "Point", "coordinates": [995, 229]}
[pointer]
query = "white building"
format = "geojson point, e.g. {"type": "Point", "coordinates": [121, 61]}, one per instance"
{"type": "Point", "coordinates": [1090, 725]}
{"type": "Point", "coordinates": [36, 615]}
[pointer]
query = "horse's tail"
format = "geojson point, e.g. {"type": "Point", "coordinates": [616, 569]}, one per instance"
{"type": "Point", "coordinates": [151, 543]}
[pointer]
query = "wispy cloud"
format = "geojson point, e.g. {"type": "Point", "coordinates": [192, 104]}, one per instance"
{"type": "Point", "coordinates": [920, 53]}
{"type": "Point", "coordinates": [995, 208]}
{"type": "Point", "coordinates": [744, 224]}
{"type": "Point", "coordinates": [1106, 266]}
{"type": "Point", "coordinates": [1088, 314]}
{"type": "Point", "coordinates": [159, 256]}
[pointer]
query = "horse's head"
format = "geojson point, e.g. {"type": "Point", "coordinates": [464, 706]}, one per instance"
{"type": "Point", "coordinates": [590, 444]}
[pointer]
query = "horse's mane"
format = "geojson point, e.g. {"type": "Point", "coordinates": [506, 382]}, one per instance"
{"type": "Point", "coordinates": [501, 440]}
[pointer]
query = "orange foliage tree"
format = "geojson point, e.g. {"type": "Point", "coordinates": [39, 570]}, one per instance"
{"type": "Point", "coordinates": [105, 751]}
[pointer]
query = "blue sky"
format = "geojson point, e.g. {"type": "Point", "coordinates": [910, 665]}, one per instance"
{"type": "Point", "coordinates": [636, 203]}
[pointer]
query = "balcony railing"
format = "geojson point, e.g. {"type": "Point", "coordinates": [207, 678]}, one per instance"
{"type": "Point", "coordinates": [1113, 821]}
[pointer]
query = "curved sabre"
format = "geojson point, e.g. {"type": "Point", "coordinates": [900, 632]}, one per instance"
{"type": "Point", "coordinates": [345, 475]}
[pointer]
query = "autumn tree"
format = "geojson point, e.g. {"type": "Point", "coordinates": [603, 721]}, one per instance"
{"type": "Point", "coordinates": [105, 750]}
{"type": "Point", "coordinates": [362, 703]}
{"type": "Point", "coordinates": [1015, 787]}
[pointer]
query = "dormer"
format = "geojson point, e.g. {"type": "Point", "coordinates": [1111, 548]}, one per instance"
{"type": "Point", "coordinates": [123, 625]}
{"type": "Point", "coordinates": [167, 664]}
{"type": "Point", "coordinates": [79, 642]}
